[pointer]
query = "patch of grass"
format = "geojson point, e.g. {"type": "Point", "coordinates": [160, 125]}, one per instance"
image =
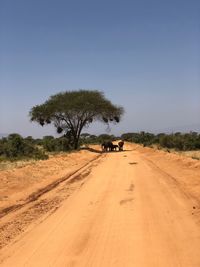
{"type": "Point", "coordinates": [190, 154]}
{"type": "Point", "coordinates": [7, 164]}
{"type": "Point", "coordinates": [194, 157]}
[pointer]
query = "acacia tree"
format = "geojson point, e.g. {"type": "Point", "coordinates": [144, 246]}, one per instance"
{"type": "Point", "coordinates": [71, 111]}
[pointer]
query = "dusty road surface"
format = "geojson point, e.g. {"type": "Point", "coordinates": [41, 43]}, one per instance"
{"type": "Point", "coordinates": [129, 211]}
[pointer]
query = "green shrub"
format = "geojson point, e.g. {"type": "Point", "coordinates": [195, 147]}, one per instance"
{"type": "Point", "coordinates": [177, 141]}
{"type": "Point", "coordinates": [48, 143]}
{"type": "Point", "coordinates": [52, 144]}
{"type": "Point", "coordinates": [14, 147]}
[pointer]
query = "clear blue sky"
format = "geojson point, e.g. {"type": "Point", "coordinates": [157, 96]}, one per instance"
{"type": "Point", "coordinates": [144, 54]}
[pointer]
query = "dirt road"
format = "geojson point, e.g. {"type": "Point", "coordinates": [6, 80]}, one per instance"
{"type": "Point", "coordinates": [127, 213]}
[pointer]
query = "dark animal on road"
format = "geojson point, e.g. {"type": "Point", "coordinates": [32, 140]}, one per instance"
{"type": "Point", "coordinates": [115, 147]}
{"type": "Point", "coordinates": [121, 145]}
{"type": "Point", "coordinates": [108, 146]}
{"type": "Point", "coordinates": [104, 146]}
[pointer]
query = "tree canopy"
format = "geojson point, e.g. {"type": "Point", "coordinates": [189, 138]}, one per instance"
{"type": "Point", "coordinates": [71, 111]}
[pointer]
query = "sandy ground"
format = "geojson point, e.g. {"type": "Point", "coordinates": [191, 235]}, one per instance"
{"type": "Point", "coordinates": [139, 207]}
{"type": "Point", "coordinates": [17, 183]}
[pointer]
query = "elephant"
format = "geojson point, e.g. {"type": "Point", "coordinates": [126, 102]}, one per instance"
{"type": "Point", "coordinates": [108, 146]}
{"type": "Point", "coordinates": [121, 145]}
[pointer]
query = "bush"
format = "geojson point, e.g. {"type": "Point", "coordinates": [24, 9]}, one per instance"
{"type": "Point", "coordinates": [15, 147]}
{"type": "Point", "coordinates": [48, 143]}
{"type": "Point", "coordinates": [62, 144]}
{"type": "Point", "coordinates": [52, 144]}
{"type": "Point", "coordinates": [178, 141]}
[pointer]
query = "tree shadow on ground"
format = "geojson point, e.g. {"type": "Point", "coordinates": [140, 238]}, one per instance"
{"type": "Point", "coordinates": [125, 150]}
{"type": "Point", "coordinates": [92, 150]}
{"type": "Point", "coordinates": [101, 152]}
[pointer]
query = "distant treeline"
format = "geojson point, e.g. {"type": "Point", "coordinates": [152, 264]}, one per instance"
{"type": "Point", "coordinates": [16, 147]}
{"type": "Point", "coordinates": [178, 141]}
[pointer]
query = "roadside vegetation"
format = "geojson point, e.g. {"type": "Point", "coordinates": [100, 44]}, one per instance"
{"type": "Point", "coordinates": [15, 147]}
{"type": "Point", "coordinates": [175, 141]}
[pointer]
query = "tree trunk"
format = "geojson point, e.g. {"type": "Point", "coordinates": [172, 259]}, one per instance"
{"type": "Point", "coordinates": [76, 135]}
{"type": "Point", "coordinates": [76, 140]}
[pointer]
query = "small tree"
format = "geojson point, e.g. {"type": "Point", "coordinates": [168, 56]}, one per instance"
{"type": "Point", "coordinates": [71, 111]}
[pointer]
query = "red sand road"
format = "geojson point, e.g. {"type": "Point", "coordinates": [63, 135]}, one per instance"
{"type": "Point", "coordinates": [127, 213]}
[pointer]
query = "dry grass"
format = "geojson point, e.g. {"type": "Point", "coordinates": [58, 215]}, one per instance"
{"type": "Point", "coordinates": [8, 165]}
{"type": "Point", "coordinates": [190, 154]}
{"type": "Point", "coordinates": [194, 154]}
